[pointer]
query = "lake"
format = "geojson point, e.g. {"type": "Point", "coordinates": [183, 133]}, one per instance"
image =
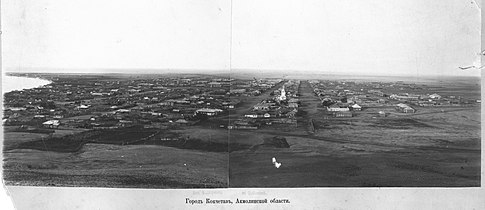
{"type": "Point", "coordinates": [10, 83]}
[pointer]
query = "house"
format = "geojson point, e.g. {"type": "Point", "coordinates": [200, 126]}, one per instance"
{"type": "Point", "coordinates": [427, 103]}
{"type": "Point", "coordinates": [262, 107]}
{"type": "Point", "coordinates": [173, 116]}
{"type": "Point", "coordinates": [342, 114]}
{"type": "Point", "coordinates": [408, 110]}
{"type": "Point", "coordinates": [39, 116]}
{"type": "Point", "coordinates": [237, 91]}
{"type": "Point", "coordinates": [381, 101]}
{"type": "Point", "coordinates": [228, 104]}
{"type": "Point", "coordinates": [284, 121]}
{"type": "Point", "coordinates": [155, 113]}
{"type": "Point", "coordinates": [83, 106]}
{"type": "Point", "coordinates": [382, 114]}
{"type": "Point", "coordinates": [404, 97]}
{"type": "Point", "coordinates": [356, 107]}
{"type": "Point", "coordinates": [208, 112]}
{"type": "Point", "coordinates": [182, 121]}
{"type": "Point", "coordinates": [51, 124]}
{"type": "Point", "coordinates": [16, 108]}
{"type": "Point", "coordinates": [337, 109]}
{"type": "Point", "coordinates": [241, 127]}
{"type": "Point", "coordinates": [405, 108]}
{"type": "Point", "coordinates": [169, 138]}
{"type": "Point", "coordinates": [122, 110]}
{"type": "Point", "coordinates": [214, 84]}
{"type": "Point", "coordinates": [251, 115]}
{"type": "Point", "coordinates": [293, 105]}
{"type": "Point", "coordinates": [241, 122]}
{"type": "Point", "coordinates": [125, 123]}
{"type": "Point", "coordinates": [434, 96]}
{"type": "Point", "coordinates": [166, 103]}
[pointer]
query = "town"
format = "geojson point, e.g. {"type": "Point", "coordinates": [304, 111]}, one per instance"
{"type": "Point", "coordinates": [245, 117]}
{"type": "Point", "coordinates": [104, 103]}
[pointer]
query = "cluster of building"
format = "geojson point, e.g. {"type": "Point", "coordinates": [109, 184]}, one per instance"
{"type": "Point", "coordinates": [106, 102]}
{"type": "Point", "coordinates": [281, 108]}
{"type": "Point", "coordinates": [344, 98]}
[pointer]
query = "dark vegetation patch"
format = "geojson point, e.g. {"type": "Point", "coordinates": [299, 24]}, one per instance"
{"type": "Point", "coordinates": [124, 136]}
{"type": "Point", "coordinates": [404, 123]}
{"type": "Point", "coordinates": [73, 143]}
{"type": "Point", "coordinates": [32, 130]}
{"type": "Point", "coordinates": [327, 124]}
{"type": "Point", "coordinates": [274, 142]}
{"type": "Point", "coordinates": [62, 144]}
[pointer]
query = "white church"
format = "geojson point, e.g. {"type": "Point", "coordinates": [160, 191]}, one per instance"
{"type": "Point", "coordinates": [283, 94]}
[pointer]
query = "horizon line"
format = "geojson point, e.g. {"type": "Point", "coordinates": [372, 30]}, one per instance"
{"type": "Point", "coordinates": [220, 71]}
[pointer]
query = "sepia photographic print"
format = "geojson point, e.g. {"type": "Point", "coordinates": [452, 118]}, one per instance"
{"type": "Point", "coordinates": [241, 94]}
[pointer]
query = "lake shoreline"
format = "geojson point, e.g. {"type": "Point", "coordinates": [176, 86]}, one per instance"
{"type": "Point", "coordinates": [18, 83]}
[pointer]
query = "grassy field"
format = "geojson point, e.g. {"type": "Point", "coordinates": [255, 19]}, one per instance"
{"type": "Point", "coordinates": [117, 158]}
{"type": "Point", "coordinates": [15, 139]}
{"type": "Point", "coordinates": [103, 165]}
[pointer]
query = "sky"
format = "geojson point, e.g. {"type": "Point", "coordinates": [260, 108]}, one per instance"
{"type": "Point", "coordinates": [393, 37]}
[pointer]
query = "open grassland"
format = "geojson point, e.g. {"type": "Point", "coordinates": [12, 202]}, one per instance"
{"type": "Point", "coordinates": [103, 165]}
{"type": "Point", "coordinates": [130, 157]}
